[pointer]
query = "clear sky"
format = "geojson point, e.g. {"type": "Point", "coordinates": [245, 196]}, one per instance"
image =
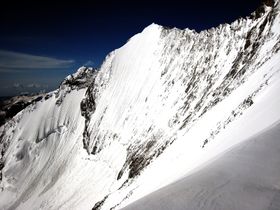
{"type": "Point", "coordinates": [41, 42]}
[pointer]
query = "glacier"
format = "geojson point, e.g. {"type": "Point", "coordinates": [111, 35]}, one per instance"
{"type": "Point", "coordinates": [167, 104]}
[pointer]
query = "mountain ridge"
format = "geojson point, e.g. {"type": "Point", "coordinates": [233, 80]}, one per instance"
{"type": "Point", "coordinates": [98, 140]}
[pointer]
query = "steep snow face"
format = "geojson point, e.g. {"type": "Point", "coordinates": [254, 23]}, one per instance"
{"type": "Point", "coordinates": [38, 147]}
{"type": "Point", "coordinates": [163, 104]}
{"type": "Point", "coordinates": [164, 83]}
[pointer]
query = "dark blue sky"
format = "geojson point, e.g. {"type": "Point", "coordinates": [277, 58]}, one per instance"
{"type": "Point", "coordinates": [43, 41]}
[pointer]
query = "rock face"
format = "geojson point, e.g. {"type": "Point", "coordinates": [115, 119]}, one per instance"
{"type": "Point", "coordinates": [156, 109]}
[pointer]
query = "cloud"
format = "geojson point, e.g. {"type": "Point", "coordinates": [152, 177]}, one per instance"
{"type": "Point", "coordinates": [17, 85]}
{"type": "Point", "coordinates": [21, 61]}
{"type": "Point", "coordinates": [32, 85]}
{"type": "Point", "coordinates": [89, 63]}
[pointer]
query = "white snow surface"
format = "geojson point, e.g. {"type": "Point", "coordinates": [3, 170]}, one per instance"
{"type": "Point", "coordinates": [160, 108]}
{"type": "Point", "coordinates": [246, 177]}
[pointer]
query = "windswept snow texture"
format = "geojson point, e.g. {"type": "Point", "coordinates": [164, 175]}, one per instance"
{"type": "Point", "coordinates": [246, 177]}
{"type": "Point", "coordinates": [162, 105]}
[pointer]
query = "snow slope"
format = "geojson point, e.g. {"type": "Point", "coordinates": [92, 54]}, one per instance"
{"type": "Point", "coordinates": [160, 107]}
{"type": "Point", "coordinates": [246, 177]}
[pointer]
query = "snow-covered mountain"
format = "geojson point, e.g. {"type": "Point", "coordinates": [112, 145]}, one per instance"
{"type": "Point", "coordinates": [10, 106]}
{"type": "Point", "coordinates": [159, 107]}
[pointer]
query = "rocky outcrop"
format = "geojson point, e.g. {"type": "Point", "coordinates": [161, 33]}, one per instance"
{"type": "Point", "coordinates": [79, 80]}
